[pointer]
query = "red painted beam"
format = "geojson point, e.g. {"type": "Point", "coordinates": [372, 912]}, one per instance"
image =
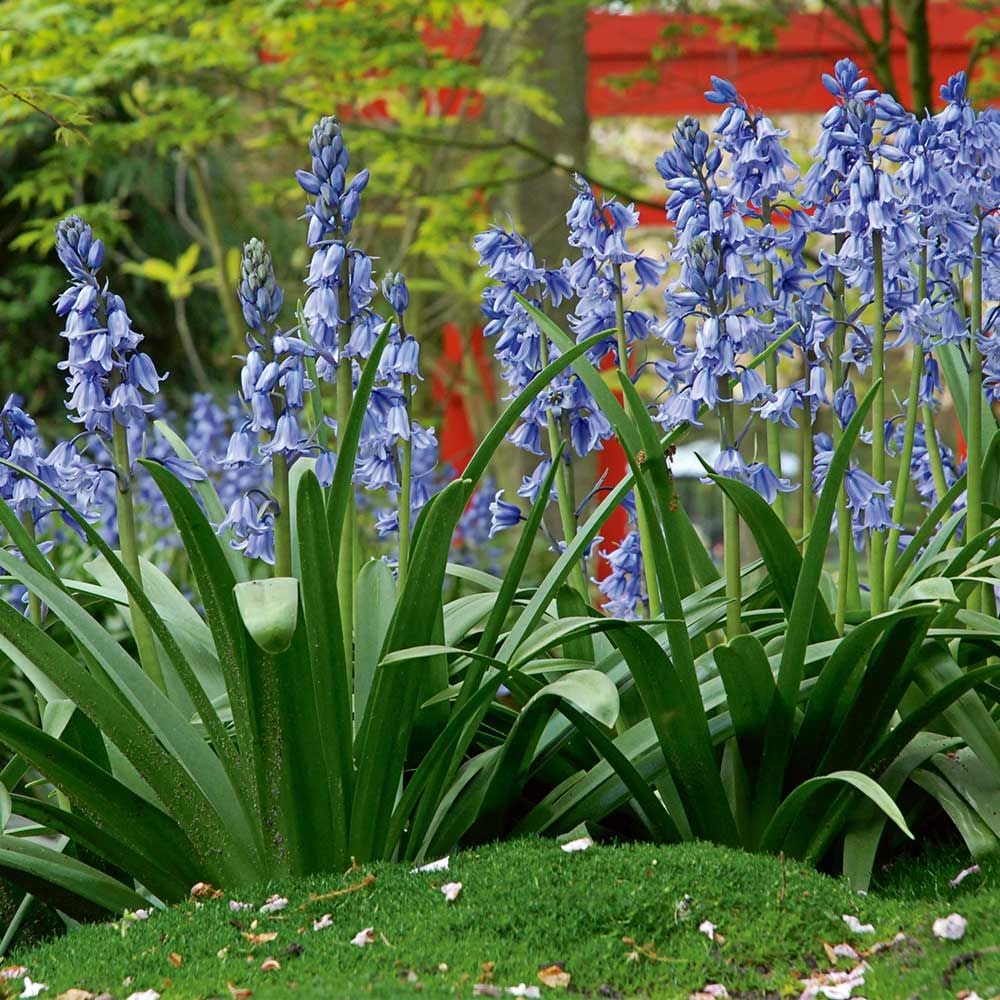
{"type": "Point", "coordinates": [785, 79]}
{"type": "Point", "coordinates": [781, 80]}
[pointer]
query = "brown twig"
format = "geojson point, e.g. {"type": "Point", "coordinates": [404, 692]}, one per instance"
{"type": "Point", "coordinates": [357, 887]}
{"type": "Point", "coordinates": [59, 123]}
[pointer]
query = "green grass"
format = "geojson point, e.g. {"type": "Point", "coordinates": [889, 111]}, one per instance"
{"type": "Point", "coordinates": [529, 905]}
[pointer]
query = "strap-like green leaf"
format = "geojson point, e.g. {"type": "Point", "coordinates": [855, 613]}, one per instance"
{"type": "Point", "coordinates": [385, 731]}
{"type": "Point", "coordinates": [64, 880]}
{"type": "Point", "coordinates": [185, 773]}
{"type": "Point", "coordinates": [142, 829]}
{"type": "Point", "coordinates": [791, 670]}
{"type": "Point", "coordinates": [795, 809]}
{"type": "Point", "coordinates": [209, 497]}
{"type": "Point", "coordinates": [678, 717]}
{"type": "Point", "coordinates": [777, 548]}
{"type": "Point", "coordinates": [328, 684]}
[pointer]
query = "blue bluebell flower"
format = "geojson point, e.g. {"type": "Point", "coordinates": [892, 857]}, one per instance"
{"type": "Point", "coordinates": [503, 515]}
{"type": "Point", "coordinates": [624, 588]}
{"type": "Point", "coordinates": [340, 275]}
{"type": "Point", "coordinates": [109, 379]}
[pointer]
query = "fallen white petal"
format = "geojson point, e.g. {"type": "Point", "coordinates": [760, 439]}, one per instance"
{"type": "Point", "coordinates": [844, 951]}
{"type": "Point", "coordinates": [856, 926]}
{"type": "Point", "coordinates": [274, 904]}
{"type": "Point", "coordinates": [521, 990]}
{"type": "Point", "coordinates": [145, 995]}
{"type": "Point", "coordinates": [710, 991]}
{"type": "Point", "coordinates": [580, 844]}
{"type": "Point", "coordinates": [324, 921]}
{"type": "Point", "coordinates": [951, 927]}
{"type": "Point", "coordinates": [235, 906]}
{"type": "Point", "coordinates": [834, 985]}
{"type": "Point", "coordinates": [708, 929]}
{"type": "Point", "coordinates": [32, 989]}
{"type": "Point", "coordinates": [441, 865]}
{"type": "Point", "coordinates": [451, 890]}
{"type": "Point", "coordinates": [963, 875]}
{"type": "Point", "coordinates": [367, 936]}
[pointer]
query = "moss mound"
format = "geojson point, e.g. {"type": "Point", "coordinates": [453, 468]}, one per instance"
{"type": "Point", "coordinates": [604, 922]}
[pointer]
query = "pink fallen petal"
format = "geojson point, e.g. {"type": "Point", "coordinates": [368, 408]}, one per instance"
{"type": "Point", "coordinates": [324, 921]}
{"type": "Point", "coordinates": [236, 906]}
{"type": "Point", "coordinates": [834, 985]}
{"type": "Point", "coordinates": [950, 928]}
{"type": "Point", "coordinates": [845, 951]}
{"type": "Point", "coordinates": [365, 937]}
{"type": "Point", "coordinates": [451, 890]}
{"type": "Point", "coordinates": [855, 925]}
{"type": "Point", "coordinates": [274, 904]}
{"type": "Point", "coordinates": [963, 875]}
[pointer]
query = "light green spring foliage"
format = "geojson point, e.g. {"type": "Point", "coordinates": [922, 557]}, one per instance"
{"type": "Point", "coordinates": [168, 123]}
{"type": "Point", "coordinates": [527, 905]}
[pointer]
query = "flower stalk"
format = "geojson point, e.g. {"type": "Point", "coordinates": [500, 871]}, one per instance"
{"type": "Point", "coordinates": [282, 524]}
{"type": "Point", "coordinates": [348, 530]}
{"type": "Point", "coordinates": [567, 513]}
{"type": "Point", "coordinates": [878, 539]}
{"type": "Point", "coordinates": [909, 435]}
{"type": "Point", "coordinates": [974, 443]}
{"type": "Point", "coordinates": [641, 514]}
{"type": "Point", "coordinates": [772, 428]}
{"type": "Point", "coordinates": [845, 547]}
{"type": "Point", "coordinates": [129, 545]}
{"type": "Point", "coordinates": [405, 487]}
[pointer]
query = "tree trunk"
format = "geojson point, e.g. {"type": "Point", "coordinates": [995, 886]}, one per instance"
{"type": "Point", "coordinates": [544, 47]}
{"type": "Point", "coordinates": [913, 14]}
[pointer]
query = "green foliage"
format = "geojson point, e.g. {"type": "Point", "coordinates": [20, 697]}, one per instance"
{"type": "Point", "coordinates": [174, 124]}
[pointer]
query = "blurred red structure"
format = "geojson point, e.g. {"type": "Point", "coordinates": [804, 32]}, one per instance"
{"type": "Point", "coordinates": [783, 80]}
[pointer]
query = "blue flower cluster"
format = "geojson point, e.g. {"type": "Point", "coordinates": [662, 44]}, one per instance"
{"type": "Point", "coordinates": [340, 275]}
{"type": "Point", "coordinates": [273, 384]}
{"type": "Point", "coordinates": [110, 380]}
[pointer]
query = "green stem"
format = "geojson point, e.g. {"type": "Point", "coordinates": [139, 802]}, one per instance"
{"type": "Point", "coordinates": [934, 452]}
{"type": "Point", "coordinates": [316, 406]}
{"type": "Point", "coordinates": [345, 396]}
{"type": "Point", "coordinates": [567, 515]}
{"type": "Point", "coordinates": [909, 434]}
{"type": "Point", "coordinates": [405, 488]}
{"type": "Point", "coordinates": [974, 442]}
{"type": "Point", "coordinates": [731, 539]}
{"type": "Point", "coordinates": [845, 541]}
{"type": "Point", "coordinates": [806, 456]}
{"type": "Point", "coordinates": [641, 515]}
{"type": "Point", "coordinates": [315, 395]}
{"type": "Point", "coordinates": [282, 519]}
{"type": "Point", "coordinates": [34, 601]}
{"type": "Point", "coordinates": [34, 614]}
{"type": "Point", "coordinates": [877, 555]}
{"type": "Point", "coordinates": [128, 542]}
{"type": "Point", "coordinates": [772, 428]}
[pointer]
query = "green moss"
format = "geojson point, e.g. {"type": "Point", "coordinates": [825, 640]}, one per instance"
{"type": "Point", "coordinates": [528, 905]}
